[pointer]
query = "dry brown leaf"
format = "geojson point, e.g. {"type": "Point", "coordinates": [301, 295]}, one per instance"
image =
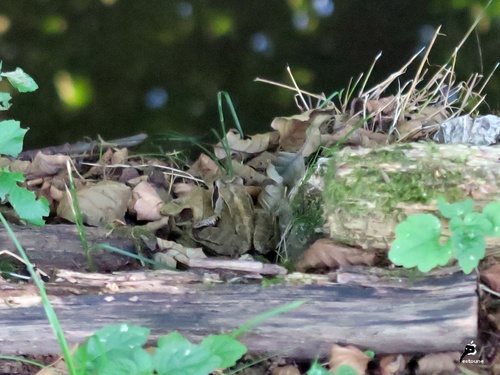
{"type": "Point", "coordinates": [146, 202]}
{"type": "Point", "coordinates": [492, 275]}
{"type": "Point", "coordinates": [205, 168]}
{"type": "Point", "coordinates": [392, 365]}
{"type": "Point", "coordinates": [174, 253]}
{"type": "Point", "coordinates": [439, 363]}
{"type": "Point", "coordinates": [100, 204]}
{"type": "Point", "coordinates": [324, 253]}
{"type": "Point", "coordinates": [348, 356]}
{"type": "Point", "coordinates": [249, 175]}
{"type": "Point", "coordinates": [250, 145]}
{"type": "Point", "coordinates": [198, 201]}
{"type": "Point", "coordinates": [46, 165]}
{"type": "Point", "coordinates": [286, 370]}
{"type": "Point", "coordinates": [120, 156]}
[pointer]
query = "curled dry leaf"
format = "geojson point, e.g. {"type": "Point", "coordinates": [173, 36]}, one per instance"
{"type": "Point", "coordinates": [46, 165]}
{"type": "Point", "coordinates": [348, 356]}
{"type": "Point", "coordinates": [392, 365]}
{"type": "Point", "coordinates": [293, 130]}
{"type": "Point", "coordinates": [120, 156]}
{"type": "Point", "coordinates": [249, 175]}
{"type": "Point", "coordinates": [205, 168]}
{"type": "Point", "coordinates": [286, 370]}
{"type": "Point", "coordinates": [492, 275]}
{"type": "Point", "coordinates": [196, 202]}
{"type": "Point", "coordinates": [439, 363]}
{"type": "Point", "coordinates": [100, 204]}
{"type": "Point", "coordinates": [173, 253]}
{"type": "Point", "coordinates": [250, 145]}
{"type": "Point", "coordinates": [146, 202]}
{"type": "Point", "coordinates": [324, 253]}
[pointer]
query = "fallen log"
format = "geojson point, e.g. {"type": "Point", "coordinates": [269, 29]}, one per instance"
{"type": "Point", "coordinates": [367, 192]}
{"type": "Point", "coordinates": [60, 247]}
{"type": "Point", "coordinates": [428, 315]}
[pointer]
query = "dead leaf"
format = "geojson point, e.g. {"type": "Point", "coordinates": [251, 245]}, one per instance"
{"type": "Point", "coordinates": [100, 204]}
{"type": "Point", "coordinates": [46, 165]}
{"type": "Point", "coordinates": [146, 202]}
{"type": "Point", "coordinates": [250, 145]}
{"type": "Point", "coordinates": [293, 130]}
{"type": "Point", "coordinates": [249, 175]}
{"type": "Point", "coordinates": [174, 252]}
{"type": "Point", "coordinates": [324, 253]}
{"type": "Point", "coordinates": [286, 370]}
{"type": "Point", "coordinates": [289, 166]}
{"type": "Point", "coordinates": [197, 202]}
{"type": "Point", "coordinates": [492, 275]}
{"type": "Point", "coordinates": [439, 363]}
{"type": "Point", "coordinates": [392, 365]}
{"type": "Point", "coordinates": [120, 156]}
{"type": "Point", "coordinates": [348, 356]}
{"type": "Point", "coordinates": [205, 168]}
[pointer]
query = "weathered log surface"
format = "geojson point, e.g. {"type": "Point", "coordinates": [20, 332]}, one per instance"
{"type": "Point", "coordinates": [434, 314]}
{"type": "Point", "coordinates": [370, 191]}
{"type": "Point", "coordinates": [59, 246]}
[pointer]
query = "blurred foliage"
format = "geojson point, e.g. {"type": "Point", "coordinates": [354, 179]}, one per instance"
{"type": "Point", "coordinates": [118, 67]}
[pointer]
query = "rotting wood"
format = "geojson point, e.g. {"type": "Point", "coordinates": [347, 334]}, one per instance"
{"type": "Point", "coordinates": [59, 246]}
{"type": "Point", "coordinates": [403, 180]}
{"type": "Point", "coordinates": [434, 314]}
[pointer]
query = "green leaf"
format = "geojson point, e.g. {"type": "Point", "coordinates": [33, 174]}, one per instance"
{"type": "Point", "coordinates": [317, 369]}
{"type": "Point", "coordinates": [24, 201]}
{"type": "Point", "coordinates": [109, 344]}
{"type": "Point", "coordinates": [4, 101]}
{"type": "Point", "coordinates": [455, 209]}
{"type": "Point", "coordinates": [11, 137]}
{"type": "Point", "coordinates": [417, 243]}
{"type": "Point", "coordinates": [175, 355]}
{"type": "Point", "coordinates": [345, 370]}
{"type": "Point", "coordinates": [225, 347]}
{"type": "Point", "coordinates": [468, 249]}
{"type": "Point", "coordinates": [468, 239]}
{"type": "Point", "coordinates": [492, 214]}
{"type": "Point", "coordinates": [20, 80]}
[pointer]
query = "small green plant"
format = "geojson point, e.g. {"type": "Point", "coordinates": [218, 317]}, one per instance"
{"type": "Point", "coordinates": [418, 238]}
{"type": "Point", "coordinates": [118, 349]}
{"type": "Point", "coordinates": [11, 143]}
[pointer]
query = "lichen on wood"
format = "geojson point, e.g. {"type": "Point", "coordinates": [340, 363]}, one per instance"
{"type": "Point", "coordinates": [367, 192]}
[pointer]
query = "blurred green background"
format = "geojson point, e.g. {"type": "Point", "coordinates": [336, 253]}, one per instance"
{"type": "Point", "coordinates": [120, 67]}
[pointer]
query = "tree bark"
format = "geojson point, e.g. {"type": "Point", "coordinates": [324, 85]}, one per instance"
{"type": "Point", "coordinates": [428, 315]}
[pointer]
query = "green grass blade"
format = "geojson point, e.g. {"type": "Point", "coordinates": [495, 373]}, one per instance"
{"type": "Point", "coordinates": [229, 102]}
{"type": "Point", "coordinates": [266, 315]}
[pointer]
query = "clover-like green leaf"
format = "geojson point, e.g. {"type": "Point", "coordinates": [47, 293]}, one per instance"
{"type": "Point", "coordinates": [417, 243]}
{"type": "Point", "coordinates": [4, 101]}
{"type": "Point", "coordinates": [492, 214]}
{"type": "Point", "coordinates": [225, 347]}
{"type": "Point", "coordinates": [455, 209]}
{"type": "Point", "coordinates": [24, 201]}
{"type": "Point", "coordinates": [11, 137]}
{"type": "Point", "coordinates": [175, 355]}
{"type": "Point", "coordinates": [21, 80]}
{"type": "Point", "coordinates": [468, 249]}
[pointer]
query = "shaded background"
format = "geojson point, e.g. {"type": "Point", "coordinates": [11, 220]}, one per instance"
{"type": "Point", "coordinates": [120, 67]}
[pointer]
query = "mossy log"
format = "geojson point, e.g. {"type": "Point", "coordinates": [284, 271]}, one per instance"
{"type": "Point", "coordinates": [367, 192]}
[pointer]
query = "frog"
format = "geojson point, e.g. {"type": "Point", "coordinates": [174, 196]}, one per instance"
{"type": "Point", "coordinates": [235, 226]}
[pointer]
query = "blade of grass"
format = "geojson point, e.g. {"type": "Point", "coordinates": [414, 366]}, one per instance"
{"type": "Point", "coordinates": [266, 315]}
{"type": "Point", "coordinates": [49, 310]}
{"type": "Point", "coordinates": [77, 215]}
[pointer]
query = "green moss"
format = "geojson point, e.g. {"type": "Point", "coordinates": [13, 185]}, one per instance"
{"type": "Point", "coordinates": [366, 186]}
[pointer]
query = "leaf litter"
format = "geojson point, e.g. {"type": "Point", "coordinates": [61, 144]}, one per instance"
{"type": "Point", "coordinates": [212, 208]}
